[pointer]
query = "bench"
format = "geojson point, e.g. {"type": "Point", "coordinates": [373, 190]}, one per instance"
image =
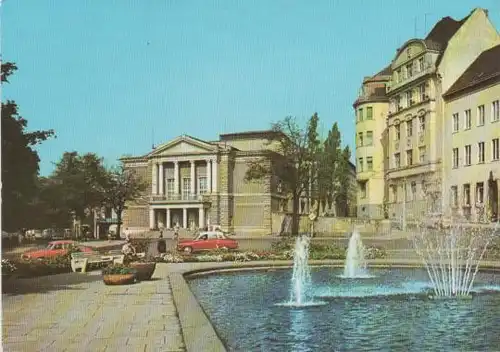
{"type": "Point", "coordinates": [81, 260]}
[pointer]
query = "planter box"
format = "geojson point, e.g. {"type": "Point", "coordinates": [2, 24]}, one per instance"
{"type": "Point", "coordinates": [144, 271]}
{"type": "Point", "coordinates": [118, 279]}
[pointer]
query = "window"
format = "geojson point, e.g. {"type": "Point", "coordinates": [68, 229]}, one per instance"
{"type": "Point", "coordinates": [495, 111]}
{"type": "Point", "coordinates": [414, 190]}
{"type": "Point", "coordinates": [398, 132]}
{"type": "Point", "coordinates": [480, 152]}
{"type": "Point", "coordinates": [480, 192]}
{"type": "Point", "coordinates": [394, 193]}
{"type": "Point", "coordinates": [409, 98]}
{"type": "Point", "coordinates": [396, 76]}
{"type": "Point", "coordinates": [421, 64]}
{"type": "Point", "coordinates": [456, 123]}
{"type": "Point", "coordinates": [480, 115]}
{"type": "Point", "coordinates": [360, 139]}
{"type": "Point", "coordinates": [466, 194]}
{"type": "Point", "coordinates": [186, 187]}
{"type": "Point", "coordinates": [397, 160]}
{"type": "Point", "coordinates": [398, 103]}
{"type": "Point", "coordinates": [362, 189]}
{"type": "Point", "coordinates": [409, 128]}
{"type": "Point", "coordinates": [421, 92]}
{"type": "Point", "coordinates": [455, 158]}
{"type": "Point", "coordinates": [409, 157]}
{"type": "Point", "coordinates": [170, 186]}
{"type": "Point", "coordinates": [409, 70]}
{"type": "Point", "coordinates": [467, 155]}
{"type": "Point", "coordinates": [202, 185]}
{"type": "Point", "coordinates": [421, 121]}
{"type": "Point", "coordinates": [360, 115]}
{"type": "Point", "coordinates": [454, 196]}
{"type": "Point", "coordinates": [369, 163]}
{"type": "Point", "coordinates": [495, 151]}
{"type": "Point", "coordinates": [369, 113]}
{"type": "Point", "coordinates": [399, 76]}
{"type": "Point", "coordinates": [421, 154]}
{"type": "Point", "coordinates": [468, 122]}
{"type": "Point", "coordinates": [360, 164]}
{"type": "Point", "coordinates": [369, 137]}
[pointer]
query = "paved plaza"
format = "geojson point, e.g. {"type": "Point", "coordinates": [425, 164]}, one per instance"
{"type": "Point", "coordinates": [77, 312]}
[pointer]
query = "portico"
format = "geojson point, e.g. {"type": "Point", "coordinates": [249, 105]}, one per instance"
{"type": "Point", "coordinates": [188, 216]}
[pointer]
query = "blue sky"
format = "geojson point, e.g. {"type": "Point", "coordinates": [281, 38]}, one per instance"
{"type": "Point", "coordinates": [105, 74]}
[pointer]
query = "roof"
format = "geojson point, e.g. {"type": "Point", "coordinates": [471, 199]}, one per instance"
{"type": "Point", "coordinates": [247, 134]}
{"type": "Point", "coordinates": [484, 68]}
{"type": "Point", "coordinates": [387, 71]}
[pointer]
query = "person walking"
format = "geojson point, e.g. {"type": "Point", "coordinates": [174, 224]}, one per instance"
{"type": "Point", "coordinates": [161, 245]}
{"type": "Point", "coordinates": [176, 232]}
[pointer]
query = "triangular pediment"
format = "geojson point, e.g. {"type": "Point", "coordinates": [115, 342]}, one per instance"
{"type": "Point", "coordinates": [183, 145]}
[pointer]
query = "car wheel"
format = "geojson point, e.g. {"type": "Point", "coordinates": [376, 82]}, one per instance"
{"type": "Point", "coordinates": [188, 249]}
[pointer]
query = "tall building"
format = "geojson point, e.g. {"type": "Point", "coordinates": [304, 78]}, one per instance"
{"type": "Point", "coordinates": [195, 183]}
{"type": "Point", "coordinates": [422, 70]}
{"type": "Point", "coordinates": [472, 135]}
{"type": "Point", "coordinates": [371, 109]}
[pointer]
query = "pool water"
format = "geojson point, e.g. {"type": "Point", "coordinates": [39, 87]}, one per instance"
{"type": "Point", "coordinates": [391, 311]}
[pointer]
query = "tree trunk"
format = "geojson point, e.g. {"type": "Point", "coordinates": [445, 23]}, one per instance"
{"type": "Point", "coordinates": [119, 225]}
{"type": "Point", "coordinates": [295, 215]}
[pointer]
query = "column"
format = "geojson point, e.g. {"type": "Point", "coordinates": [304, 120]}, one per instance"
{"type": "Point", "coordinates": [161, 178]}
{"type": "Point", "coordinates": [201, 217]}
{"type": "Point", "coordinates": [193, 177]}
{"type": "Point", "coordinates": [152, 218]}
{"type": "Point", "coordinates": [214, 170]}
{"type": "Point", "coordinates": [168, 225]}
{"type": "Point", "coordinates": [176, 177]}
{"type": "Point", "coordinates": [155, 179]}
{"type": "Point", "coordinates": [209, 176]}
{"type": "Point", "coordinates": [184, 218]}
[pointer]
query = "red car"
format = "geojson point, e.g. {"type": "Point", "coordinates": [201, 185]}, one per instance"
{"type": "Point", "coordinates": [54, 249]}
{"type": "Point", "coordinates": [207, 240]}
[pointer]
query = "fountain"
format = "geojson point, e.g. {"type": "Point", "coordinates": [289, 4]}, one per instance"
{"type": "Point", "coordinates": [451, 253]}
{"type": "Point", "coordinates": [301, 277]}
{"type": "Point", "coordinates": [355, 264]}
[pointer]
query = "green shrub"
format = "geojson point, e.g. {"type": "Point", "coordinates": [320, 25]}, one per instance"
{"type": "Point", "coordinates": [118, 269]}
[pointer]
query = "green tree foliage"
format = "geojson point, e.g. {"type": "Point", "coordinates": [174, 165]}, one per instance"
{"type": "Point", "coordinates": [301, 153]}
{"type": "Point", "coordinates": [121, 185]}
{"type": "Point", "coordinates": [342, 181]}
{"type": "Point", "coordinates": [78, 181]}
{"type": "Point", "coordinates": [19, 162]}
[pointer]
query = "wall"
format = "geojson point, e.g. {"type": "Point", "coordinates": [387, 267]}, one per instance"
{"type": "Point", "coordinates": [476, 172]}
{"type": "Point", "coordinates": [333, 225]}
{"type": "Point", "coordinates": [476, 35]}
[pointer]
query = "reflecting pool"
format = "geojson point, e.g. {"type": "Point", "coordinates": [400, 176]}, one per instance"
{"type": "Point", "coordinates": [391, 311]}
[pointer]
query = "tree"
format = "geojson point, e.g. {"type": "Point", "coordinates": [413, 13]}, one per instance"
{"type": "Point", "coordinates": [121, 185]}
{"type": "Point", "coordinates": [300, 156]}
{"type": "Point", "coordinates": [342, 183]}
{"type": "Point", "coordinates": [332, 153]}
{"type": "Point", "coordinates": [78, 181]}
{"type": "Point", "coordinates": [19, 161]}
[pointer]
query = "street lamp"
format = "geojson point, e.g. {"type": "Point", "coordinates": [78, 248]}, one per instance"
{"type": "Point", "coordinates": [73, 216]}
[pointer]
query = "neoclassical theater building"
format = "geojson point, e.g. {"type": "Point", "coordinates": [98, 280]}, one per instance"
{"type": "Point", "coordinates": [195, 183]}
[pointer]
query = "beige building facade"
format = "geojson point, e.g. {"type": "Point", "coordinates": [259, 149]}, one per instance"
{"type": "Point", "coordinates": [371, 109]}
{"type": "Point", "coordinates": [196, 183]}
{"type": "Point", "coordinates": [421, 71]}
{"type": "Point", "coordinates": [472, 139]}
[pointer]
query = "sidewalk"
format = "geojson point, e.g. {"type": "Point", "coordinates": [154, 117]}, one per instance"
{"type": "Point", "coordinates": [77, 312]}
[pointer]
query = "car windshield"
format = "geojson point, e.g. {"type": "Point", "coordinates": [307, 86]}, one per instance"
{"type": "Point", "coordinates": [50, 246]}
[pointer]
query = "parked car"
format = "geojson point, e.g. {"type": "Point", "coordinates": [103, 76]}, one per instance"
{"type": "Point", "coordinates": [37, 234]}
{"type": "Point", "coordinates": [54, 249]}
{"type": "Point", "coordinates": [206, 241]}
{"type": "Point", "coordinates": [47, 234]}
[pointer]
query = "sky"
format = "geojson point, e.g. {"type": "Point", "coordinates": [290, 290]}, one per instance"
{"type": "Point", "coordinates": [114, 77]}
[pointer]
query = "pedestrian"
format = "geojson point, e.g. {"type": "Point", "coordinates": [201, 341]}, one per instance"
{"type": "Point", "coordinates": [176, 232]}
{"type": "Point", "coordinates": [162, 245]}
